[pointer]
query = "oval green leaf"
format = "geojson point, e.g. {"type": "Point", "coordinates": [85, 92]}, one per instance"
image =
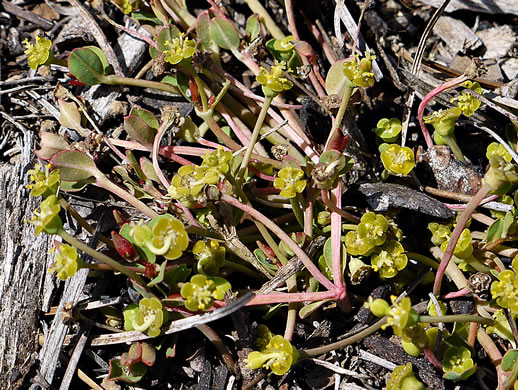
{"type": "Point", "coordinates": [224, 33]}
{"type": "Point", "coordinates": [74, 166]}
{"type": "Point", "coordinates": [86, 66]}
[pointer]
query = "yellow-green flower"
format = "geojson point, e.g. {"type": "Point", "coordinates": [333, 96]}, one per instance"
{"type": "Point", "coordinates": [497, 148]}
{"type": "Point", "coordinates": [210, 255]}
{"type": "Point", "coordinates": [273, 81]}
{"type": "Point", "coordinates": [289, 181]}
{"type": "Point", "coordinates": [169, 237]}
{"type": "Point", "coordinates": [401, 315]}
{"type": "Point", "coordinates": [178, 49]}
{"type": "Point", "coordinates": [186, 186]}
{"type": "Point", "coordinates": [505, 290]}
{"type": "Point", "coordinates": [398, 160]}
{"type": "Point", "coordinates": [46, 183]}
{"type": "Point", "coordinates": [388, 129]}
{"type": "Point", "coordinates": [147, 317]}
{"type": "Point", "coordinates": [201, 291]}
{"type": "Point", "coordinates": [390, 260]}
{"type": "Point", "coordinates": [66, 262]}
{"type": "Point", "coordinates": [39, 53]}
{"type": "Point", "coordinates": [457, 363]}
{"type": "Point", "coordinates": [220, 160]}
{"type": "Point", "coordinates": [277, 355]}
{"type": "Point", "coordinates": [359, 72]}
{"type": "Point", "coordinates": [501, 175]}
{"type": "Point", "coordinates": [465, 102]}
{"type": "Point", "coordinates": [47, 218]}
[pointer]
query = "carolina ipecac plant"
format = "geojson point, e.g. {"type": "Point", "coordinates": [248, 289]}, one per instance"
{"type": "Point", "coordinates": [190, 249]}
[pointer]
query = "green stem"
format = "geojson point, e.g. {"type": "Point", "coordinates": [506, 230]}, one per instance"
{"type": "Point", "coordinates": [83, 222]}
{"type": "Point", "coordinates": [335, 133]}
{"type": "Point", "coordinates": [253, 140]}
{"type": "Point", "coordinates": [454, 146]}
{"type": "Point", "coordinates": [242, 269]}
{"type": "Point", "coordinates": [456, 318]}
{"type": "Point", "coordinates": [115, 80]}
{"type": "Point", "coordinates": [423, 259]}
{"type": "Point", "coordinates": [101, 257]}
{"type": "Point", "coordinates": [103, 182]}
{"type": "Point", "coordinates": [270, 24]}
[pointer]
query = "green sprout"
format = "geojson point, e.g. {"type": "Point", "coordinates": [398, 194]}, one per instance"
{"type": "Point", "coordinates": [398, 160]}
{"type": "Point", "coordinates": [201, 292]}
{"type": "Point", "coordinates": [457, 363]}
{"type": "Point", "coordinates": [443, 121]}
{"type": "Point", "coordinates": [359, 72]}
{"type": "Point", "coordinates": [148, 316]}
{"type": "Point", "coordinates": [210, 255]}
{"type": "Point", "coordinates": [467, 103]}
{"type": "Point", "coordinates": [388, 129]}
{"type": "Point", "coordinates": [273, 82]}
{"type": "Point", "coordinates": [47, 218]}
{"type": "Point", "coordinates": [403, 378]}
{"type": "Point", "coordinates": [179, 48]}
{"type": "Point", "coordinates": [277, 354]}
{"type": "Point", "coordinates": [46, 183]}
{"type": "Point", "coordinates": [289, 181]}
{"type": "Point", "coordinates": [390, 259]}
{"type": "Point", "coordinates": [66, 263]}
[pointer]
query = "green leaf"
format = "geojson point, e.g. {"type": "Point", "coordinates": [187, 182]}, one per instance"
{"type": "Point", "coordinates": [224, 33]}
{"type": "Point", "coordinates": [130, 157]}
{"type": "Point", "coordinates": [160, 277]}
{"type": "Point", "coordinates": [106, 65]}
{"type": "Point", "coordinates": [149, 171]}
{"type": "Point", "coordinates": [117, 373]}
{"type": "Point", "coordinates": [253, 27]}
{"type": "Point", "coordinates": [74, 166]}
{"type": "Point", "coordinates": [183, 84]}
{"type": "Point", "coordinates": [202, 30]}
{"type": "Point", "coordinates": [177, 275]}
{"type": "Point", "coordinates": [139, 130]}
{"type": "Point", "coordinates": [86, 66]}
{"type": "Point", "coordinates": [495, 231]}
{"type": "Point", "coordinates": [74, 186]}
{"type": "Point", "coordinates": [509, 359]}
{"type": "Point", "coordinates": [335, 80]}
{"type": "Point", "coordinates": [69, 116]}
{"type": "Point", "coordinates": [50, 145]}
{"type": "Point", "coordinates": [310, 308]}
{"type": "Point", "coordinates": [146, 115]}
{"type": "Point", "coordinates": [143, 16]}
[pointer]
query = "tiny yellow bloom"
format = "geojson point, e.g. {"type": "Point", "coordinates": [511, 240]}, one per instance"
{"type": "Point", "coordinates": [39, 53]}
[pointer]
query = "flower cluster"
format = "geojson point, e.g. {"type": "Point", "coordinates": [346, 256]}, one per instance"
{"type": "Point", "coordinates": [398, 160]}
{"type": "Point", "coordinates": [457, 363]}
{"type": "Point", "coordinates": [371, 232]}
{"type": "Point", "coordinates": [46, 183]}
{"type": "Point", "coordinates": [467, 103]}
{"type": "Point", "coordinates": [210, 255]}
{"type": "Point", "coordinates": [219, 160]}
{"type": "Point", "coordinates": [38, 53]}
{"type": "Point", "coordinates": [201, 292]}
{"type": "Point", "coordinates": [187, 185]}
{"type": "Point", "coordinates": [390, 260]}
{"type": "Point", "coordinates": [400, 316]}
{"type": "Point", "coordinates": [496, 148]}
{"type": "Point", "coordinates": [47, 218]}
{"type": "Point", "coordinates": [359, 72]}
{"type": "Point", "coordinates": [505, 290]}
{"type": "Point", "coordinates": [66, 262]}
{"type": "Point", "coordinates": [289, 181]}
{"type": "Point", "coordinates": [464, 247]}
{"type": "Point", "coordinates": [179, 48]}
{"type": "Point", "coordinates": [163, 236]}
{"type": "Point", "coordinates": [275, 353]}
{"type": "Point", "coordinates": [273, 81]}
{"type": "Point", "coordinates": [440, 233]}
{"type": "Point", "coordinates": [148, 316]}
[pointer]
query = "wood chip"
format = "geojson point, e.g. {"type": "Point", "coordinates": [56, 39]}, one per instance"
{"type": "Point", "coordinates": [456, 35]}
{"type": "Point", "coordinates": [484, 6]}
{"type": "Point", "coordinates": [498, 41]}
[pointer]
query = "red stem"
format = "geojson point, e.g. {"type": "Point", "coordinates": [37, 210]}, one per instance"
{"type": "Point", "coordinates": [434, 92]}
{"type": "Point", "coordinates": [461, 224]}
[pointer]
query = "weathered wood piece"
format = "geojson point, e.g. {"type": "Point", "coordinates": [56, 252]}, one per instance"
{"type": "Point", "coordinates": [484, 6]}
{"type": "Point", "coordinates": [456, 35]}
{"type": "Point", "coordinates": [25, 285]}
